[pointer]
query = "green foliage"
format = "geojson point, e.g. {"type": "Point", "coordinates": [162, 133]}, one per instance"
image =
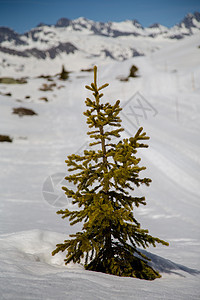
{"type": "Point", "coordinates": [126, 266]}
{"type": "Point", "coordinates": [110, 235]}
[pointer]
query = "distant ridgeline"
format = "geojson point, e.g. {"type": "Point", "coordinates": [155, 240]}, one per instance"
{"type": "Point", "coordinates": [49, 41]}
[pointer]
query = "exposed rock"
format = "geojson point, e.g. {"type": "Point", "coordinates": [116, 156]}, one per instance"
{"type": "Point", "coordinates": [45, 38]}
{"type": "Point", "coordinates": [8, 94]}
{"type": "Point", "coordinates": [13, 52]}
{"type": "Point", "coordinates": [60, 87]}
{"type": "Point", "coordinates": [123, 78]}
{"type": "Point", "coordinates": [87, 70]}
{"type": "Point", "coordinates": [188, 20]}
{"type": "Point", "coordinates": [44, 99]}
{"type": "Point", "coordinates": [135, 53]}
{"type": "Point", "coordinates": [63, 22]}
{"type": "Point", "coordinates": [107, 54]}
{"type": "Point", "coordinates": [5, 138]}
{"type": "Point", "coordinates": [47, 87]}
{"type": "Point", "coordinates": [7, 34]}
{"type": "Point", "coordinates": [42, 54]}
{"type": "Point", "coordinates": [44, 76]}
{"type": "Point", "coordinates": [10, 80]}
{"type": "Point", "coordinates": [61, 48]}
{"type": "Point", "coordinates": [22, 111]}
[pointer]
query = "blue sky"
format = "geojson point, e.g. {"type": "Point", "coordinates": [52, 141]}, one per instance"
{"type": "Point", "coordinates": [22, 15]}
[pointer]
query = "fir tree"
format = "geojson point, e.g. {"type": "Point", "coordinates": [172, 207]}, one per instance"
{"type": "Point", "coordinates": [64, 75]}
{"type": "Point", "coordinates": [133, 71]}
{"type": "Point", "coordinates": [110, 234]}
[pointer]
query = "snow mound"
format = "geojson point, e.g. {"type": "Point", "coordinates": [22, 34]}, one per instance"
{"type": "Point", "coordinates": [31, 251]}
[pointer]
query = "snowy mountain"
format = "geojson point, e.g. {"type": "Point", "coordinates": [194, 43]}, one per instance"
{"type": "Point", "coordinates": [87, 39]}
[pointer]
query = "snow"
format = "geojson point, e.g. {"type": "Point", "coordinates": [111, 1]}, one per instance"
{"type": "Point", "coordinates": [29, 226]}
{"type": "Point", "coordinates": [90, 47]}
{"type": "Point", "coordinates": [127, 26]}
{"type": "Point", "coordinates": [90, 51]}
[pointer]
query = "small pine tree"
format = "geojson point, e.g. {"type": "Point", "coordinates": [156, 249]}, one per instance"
{"type": "Point", "coordinates": [110, 235]}
{"type": "Point", "coordinates": [64, 75]}
{"type": "Point", "coordinates": [133, 71]}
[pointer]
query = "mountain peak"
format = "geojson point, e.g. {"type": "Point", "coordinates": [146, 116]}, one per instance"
{"type": "Point", "coordinates": [68, 37]}
{"type": "Point", "coordinates": [136, 23]}
{"type": "Point", "coordinates": [190, 19]}
{"type": "Point", "coordinates": [63, 22]}
{"type": "Point", "coordinates": [197, 15]}
{"type": "Point", "coordinates": [82, 19]}
{"type": "Point", "coordinates": [9, 35]}
{"type": "Point", "coordinates": [155, 25]}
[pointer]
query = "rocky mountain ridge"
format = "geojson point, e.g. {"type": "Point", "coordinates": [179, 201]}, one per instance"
{"type": "Point", "coordinates": [90, 39]}
{"type": "Point", "coordinates": [189, 25]}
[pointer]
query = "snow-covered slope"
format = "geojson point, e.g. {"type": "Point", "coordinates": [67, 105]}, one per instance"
{"type": "Point", "coordinates": [164, 99]}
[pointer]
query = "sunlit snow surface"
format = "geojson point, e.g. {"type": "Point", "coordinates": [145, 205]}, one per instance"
{"type": "Point", "coordinates": [168, 87]}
